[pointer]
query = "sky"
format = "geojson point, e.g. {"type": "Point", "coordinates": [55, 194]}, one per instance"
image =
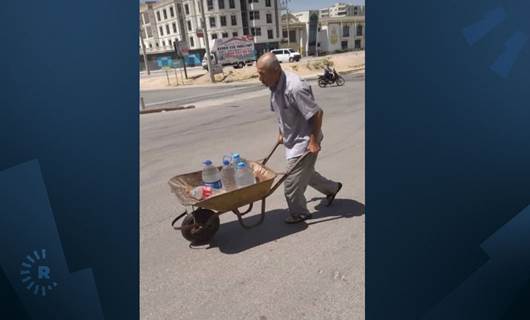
{"type": "Point", "coordinates": [302, 5]}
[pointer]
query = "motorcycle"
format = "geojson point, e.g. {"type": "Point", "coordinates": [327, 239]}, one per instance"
{"type": "Point", "coordinates": [336, 78]}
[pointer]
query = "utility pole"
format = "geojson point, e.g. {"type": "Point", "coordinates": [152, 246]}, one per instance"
{"type": "Point", "coordinates": [288, 33]}
{"type": "Point", "coordinates": [286, 7]}
{"type": "Point", "coordinates": [143, 46]}
{"type": "Point", "coordinates": [206, 42]}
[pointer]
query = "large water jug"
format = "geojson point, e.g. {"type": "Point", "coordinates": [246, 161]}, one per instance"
{"type": "Point", "coordinates": [211, 176]}
{"type": "Point", "coordinates": [228, 176]}
{"type": "Point", "coordinates": [244, 176]}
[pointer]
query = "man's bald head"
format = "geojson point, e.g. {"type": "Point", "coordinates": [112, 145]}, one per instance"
{"type": "Point", "coordinates": [269, 61]}
{"type": "Point", "coordinates": [269, 69]}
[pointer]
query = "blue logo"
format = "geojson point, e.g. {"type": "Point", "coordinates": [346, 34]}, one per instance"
{"type": "Point", "coordinates": [36, 274]}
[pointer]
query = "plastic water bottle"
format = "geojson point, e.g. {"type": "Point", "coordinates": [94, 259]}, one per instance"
{"type": "Point", "coordinates": [244, 176]}
{"type": "Point", "coordinates": [236, 159]}
{"type": "Point", "coordinates": [211, 176]}
{"type": "Point", "coordinates": [228, 176]}
{"type": "Point", "coordinates": [201, 192]}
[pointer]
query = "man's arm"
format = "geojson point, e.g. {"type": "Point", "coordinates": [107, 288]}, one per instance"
{"type": "Point", "coordinates": [316, 124]}
{"type": "Point", "coordinates": [306, 104]}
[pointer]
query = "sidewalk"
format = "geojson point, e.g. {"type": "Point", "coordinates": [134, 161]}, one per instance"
{"type": "Point", "coordinates": [308, 69]}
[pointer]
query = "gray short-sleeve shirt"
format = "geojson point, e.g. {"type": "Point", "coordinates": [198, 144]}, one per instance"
{"type": "Point", "coordinates": [293, 103]}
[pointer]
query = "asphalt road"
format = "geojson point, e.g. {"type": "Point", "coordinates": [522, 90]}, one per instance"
{"type": "Point", "coordinates": [189, 95]}
{"type": "Point", "coordinates": [313, 270]}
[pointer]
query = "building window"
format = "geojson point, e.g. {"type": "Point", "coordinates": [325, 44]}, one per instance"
{"type": "Point", "coordinates": [165, 14]}
{"type": "Point", "coordinates": [255, 31]}
{"type": "Point", "coordinates": [210, 5]}
{"type": "Point", "coordinates": [270, 35]}
{"type": "Point", "coordinates": [234, 34]}
{"type": "Point", "coordinates": [214, 36]}
{"type": "Point", "coordinates": [269, 18]}
{"type": "Point", "coordinates": [156, 44]}
{"type": "Point", "coordinates": [212, 22]}
{"type": "Point", "coordinates": [149, 32]}
{"type": "Point", "coordinates": [187, 8]}
{"type": "Point", "coordinates": [221, 4]}
{"type": "Point", "coordinates": [254, 15]}
{"type": "Point", "coordinates": [192, 42]}
{"type": "Point", "coordinates": [161, 30]}
{"type": "Point", "coordinates": [284, 34]}
{"type": "Point", "coordinates": [225, 34]}
{"type": "Point", "coordinates": [231, 4]}
{"type": "Point", "coordinates": [167, 29]}
{"type": "Point", "coordinates": [171, 12]}
{"type": "Point", "coordinates": [189, 25]}
{"type": "Point", "coordinates": [344, 45]}
{"type": "Point", "coordinates": [169, 42]}
{"type": "Point", "coordinates": [234, 20]}
{"type": "Point", "coordinates": [174, 27]}
{"type": "Point", "coordinates": [223, 21]}
{"type": "Point", "coordinates": [267, 3]}
{"type": "Point", "coordinates": [158, 16]}
{"type": "Point", "coordinates": [163, 43]}
{"type": "Point", "coordinates": [345, 31]}
{"type": "Point", "coordinates": [359, 30]}
{"type": "Point", "coordinates": [358, 44]}
{"type": "Point", "coordinates": [253, 1]}
{"type": "Point", "coordinates": [146, 18]}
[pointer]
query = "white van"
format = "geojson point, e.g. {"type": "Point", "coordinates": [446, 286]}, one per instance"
{"type": "Point", "coordinates": [287, 55]}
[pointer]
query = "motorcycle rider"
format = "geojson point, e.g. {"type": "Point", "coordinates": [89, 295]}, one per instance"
{"type": "Point", "coordinates": [328, 73]}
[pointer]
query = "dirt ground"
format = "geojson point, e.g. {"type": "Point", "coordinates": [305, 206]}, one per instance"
{"type": "Point", "coordinates": [342, 62]}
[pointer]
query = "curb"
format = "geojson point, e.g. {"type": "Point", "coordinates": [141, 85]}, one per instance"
{"type": "Point", "coordinates": [156, 110]}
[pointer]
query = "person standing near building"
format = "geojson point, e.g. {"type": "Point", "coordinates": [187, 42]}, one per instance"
{"type": "Point", "coordinates": [299, 120]}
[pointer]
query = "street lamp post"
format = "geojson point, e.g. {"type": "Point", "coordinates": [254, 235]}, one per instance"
{"type": "Point", "coordinates": [143, 45]}
{"type": "Point", "coordinates": [286, 7]}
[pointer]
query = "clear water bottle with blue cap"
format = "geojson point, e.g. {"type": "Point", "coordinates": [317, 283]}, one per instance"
{"type": "Point", "coordinates": [228, 175]}
{"type": "Point", "coordinates": [211, 176]}
{"type": "Point", "coordinates": [236, 159]}
{"type": "Point", "coordinates": [244, 176]}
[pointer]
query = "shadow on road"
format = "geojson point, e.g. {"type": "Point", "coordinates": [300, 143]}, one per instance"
{"type": "Point", "coordinates": [341, 208]}
{"type": "Point", "coordinates": [232, 238]}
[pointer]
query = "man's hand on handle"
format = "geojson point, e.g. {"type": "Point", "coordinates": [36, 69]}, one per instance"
{"type": "Point", "coordinates": [313, 147]}
{"type": "Point", "coordinates": [280, 138]}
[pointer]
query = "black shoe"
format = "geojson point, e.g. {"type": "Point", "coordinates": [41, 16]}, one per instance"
{"type": "Point", "coordinates": [331, 197]}
{"type": "Point", "coordinates": [292, 219]}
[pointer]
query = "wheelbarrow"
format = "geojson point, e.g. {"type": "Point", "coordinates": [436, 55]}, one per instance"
{"type": "Point", "coordinates": [200, 225]}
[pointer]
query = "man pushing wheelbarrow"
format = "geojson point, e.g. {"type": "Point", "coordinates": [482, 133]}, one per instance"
{"type": "Point", "coordinates": [300, 121]}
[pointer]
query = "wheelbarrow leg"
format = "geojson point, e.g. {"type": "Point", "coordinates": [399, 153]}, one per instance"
{"type": "Point", "coordinates": [248, 210]}
{"type": "Point", "coordinates": [261, 218]}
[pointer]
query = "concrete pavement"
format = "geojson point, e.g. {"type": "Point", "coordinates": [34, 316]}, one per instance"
{"type": "Point", "coordinates": [275, 271]}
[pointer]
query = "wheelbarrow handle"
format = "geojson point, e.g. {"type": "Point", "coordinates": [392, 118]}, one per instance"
{"type": "Point", "coordinates": [271, 153]}
{"type": "Point", "coordinates": [288, 173]}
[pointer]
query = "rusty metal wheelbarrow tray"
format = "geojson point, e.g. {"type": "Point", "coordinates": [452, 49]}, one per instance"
{"type": "Point", "coordinates": [182, 185]}
{"type": "Point", "coordinates": [203, 222]}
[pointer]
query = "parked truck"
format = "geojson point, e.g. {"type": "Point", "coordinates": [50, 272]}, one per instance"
{"type": "Point", "coordinates": [236, 51]}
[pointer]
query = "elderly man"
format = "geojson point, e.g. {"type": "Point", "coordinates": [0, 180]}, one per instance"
{"type": "Point", "coordinates": [299, 120]}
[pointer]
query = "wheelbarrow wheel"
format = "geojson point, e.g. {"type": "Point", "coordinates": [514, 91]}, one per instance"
{"type": "Point", "coordinates": [200, 226]}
